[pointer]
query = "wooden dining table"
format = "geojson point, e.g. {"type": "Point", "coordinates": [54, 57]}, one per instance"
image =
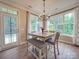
{"type": "Point", "coordinates": [42, 35]}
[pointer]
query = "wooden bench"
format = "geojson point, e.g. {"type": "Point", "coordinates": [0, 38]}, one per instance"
{"type": "Point", "coordinates": [38, 48]}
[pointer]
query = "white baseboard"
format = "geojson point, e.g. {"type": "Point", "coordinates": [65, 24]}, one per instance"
{"type": "Point", "coordinates": [65, 42]}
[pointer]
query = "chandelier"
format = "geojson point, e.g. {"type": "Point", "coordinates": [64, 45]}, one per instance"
{"type": "Point", "coordinates": [44, 16]}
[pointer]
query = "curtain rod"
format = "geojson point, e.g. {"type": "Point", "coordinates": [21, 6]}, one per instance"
{"type": "Point", "coordinates": [63, 11]}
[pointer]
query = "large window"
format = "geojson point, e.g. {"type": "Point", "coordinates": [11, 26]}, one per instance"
{"type": "Point", "coordinates": [62, 23]}
{"type": "Point", "coordinates": [34, 23]}
{"type": "Point", "coordinates": [55, 23]}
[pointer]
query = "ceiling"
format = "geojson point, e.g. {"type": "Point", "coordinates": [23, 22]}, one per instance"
{"type": "Point", "coordinates": [52, 6]}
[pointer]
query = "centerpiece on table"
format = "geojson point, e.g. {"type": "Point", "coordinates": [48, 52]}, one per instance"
{"type": "Point", "coordinates": [42, 29]}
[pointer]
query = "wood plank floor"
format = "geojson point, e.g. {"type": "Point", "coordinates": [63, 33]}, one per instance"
{"type": "Point", "coordinates": [66, 52]}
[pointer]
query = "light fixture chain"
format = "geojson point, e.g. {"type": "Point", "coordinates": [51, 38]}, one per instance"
{"type": "Point", "coordinates": [44, 6]}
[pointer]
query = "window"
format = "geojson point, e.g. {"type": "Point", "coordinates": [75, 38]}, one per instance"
{"type": "Point", "coordinates": [55, 23]}
{"type": "Point", "coordinates": [58, 23]}
{"type": "Point", "coordinates": [8, 10]}
{"type": "Point", "coordinates": [62, 23]}
{"type": "Point", "coordinates": [34, 23]}
{"type": "Point", "coordinates": [50, 24]}
{"type": "Point", "coordinates": [68, 23]}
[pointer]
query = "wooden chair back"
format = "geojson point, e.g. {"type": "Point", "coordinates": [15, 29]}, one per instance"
{"type": "Point", "coordinates": [57, 37]}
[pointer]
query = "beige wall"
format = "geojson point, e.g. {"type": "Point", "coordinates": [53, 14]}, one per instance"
{"type": "Point", "coordinates": [23, 15]}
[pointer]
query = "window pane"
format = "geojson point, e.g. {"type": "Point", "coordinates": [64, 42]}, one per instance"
{"type": "Point", "coordinates": [68, 23]}
{"type": "Point", "coordinates": [8, 10]}
{"type": "Point", "coordinates": [34, 23]}
{"type": "Point", "coordinates": [4, 9]}
{"type": "Point", "coordinates": [13, 29]}
{"type": "Point", "coordinates": [58, 23]}
{"type": "Point", "coordinates": [68, 18]}
{"type": "Point", "coordinates": [7, 29]}
{"type": "Point", "coordinates": [14, 12]}
{"type": "Point", "coordinates": [50, 24]}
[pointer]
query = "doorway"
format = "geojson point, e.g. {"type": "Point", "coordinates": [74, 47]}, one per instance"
{"type": "Point", "coordinates": [9, 31]}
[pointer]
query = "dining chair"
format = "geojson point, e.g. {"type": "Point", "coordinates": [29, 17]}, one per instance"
{"type": "Point", "coordinates": [54, 42]}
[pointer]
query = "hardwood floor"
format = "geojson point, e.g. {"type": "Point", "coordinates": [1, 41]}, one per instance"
{"type": "Point", "coordinates": [20, 52]}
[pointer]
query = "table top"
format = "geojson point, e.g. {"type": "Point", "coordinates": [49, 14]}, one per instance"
{"type": "Point", "coordinates": [42, 35]}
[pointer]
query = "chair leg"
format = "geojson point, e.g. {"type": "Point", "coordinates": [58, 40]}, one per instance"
{"type": "Point", "coordinates": [58, 49]}
{"type": "Point", "coordinates": [26, 52]}
{"type": "Point", "coordinates": [49, 47]}
{"type": "Point", "coordinates": [54, 52]}
{"type": "Point", "coordinates": [46, 52]}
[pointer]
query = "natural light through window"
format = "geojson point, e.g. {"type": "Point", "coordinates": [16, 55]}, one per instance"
{"type": "Point", "coordinates": [34, 23]}
{"type": "Point", "coordinates": [63, 23]}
